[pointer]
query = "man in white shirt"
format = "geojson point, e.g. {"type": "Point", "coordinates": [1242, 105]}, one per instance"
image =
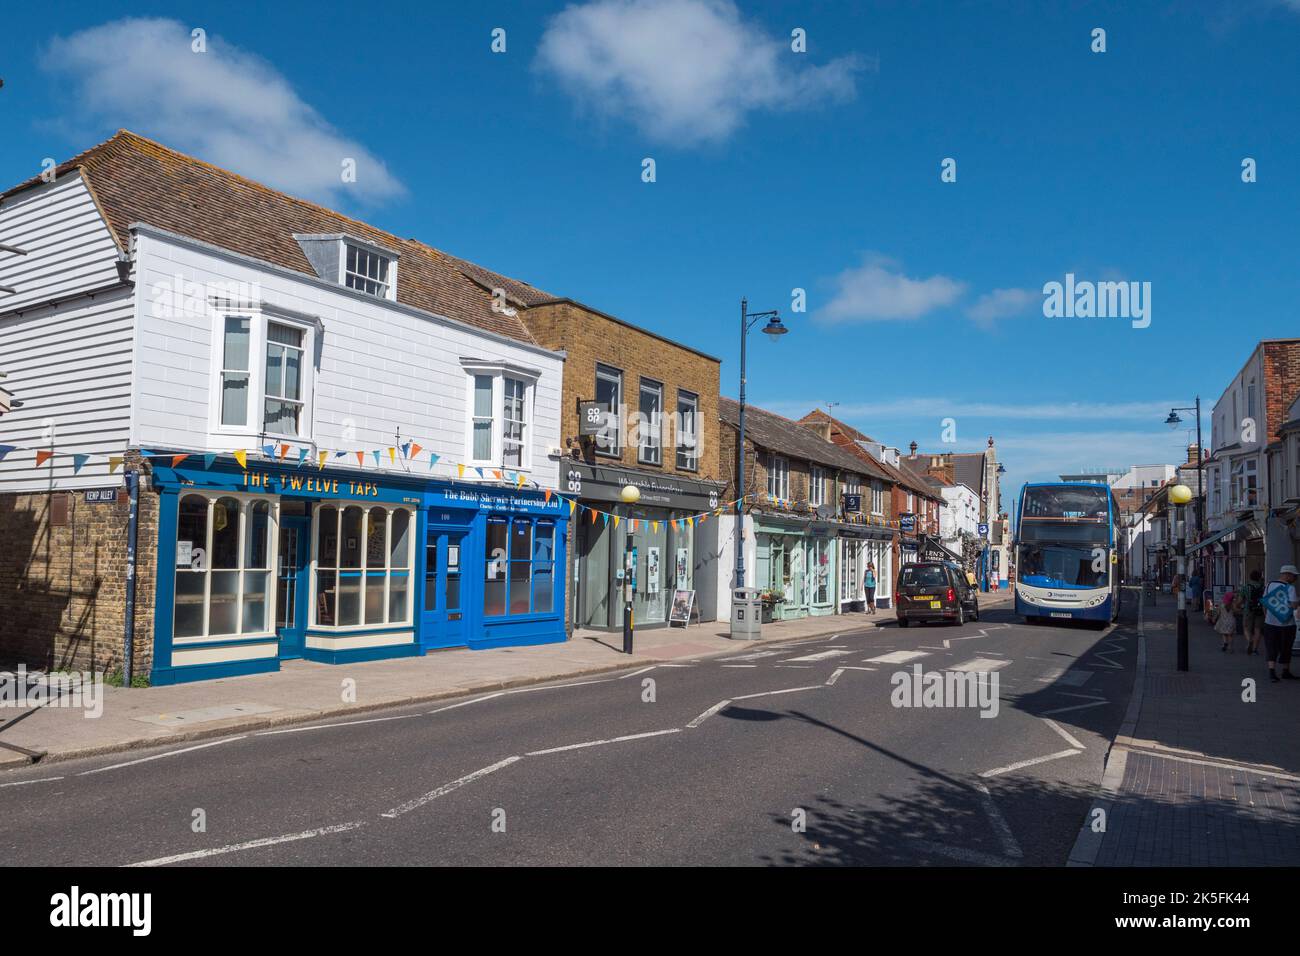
{"type": "Point", "coordinates": [1280, 605]}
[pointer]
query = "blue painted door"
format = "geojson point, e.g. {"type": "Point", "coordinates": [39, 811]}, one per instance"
{"type": "Point", "coordinates": [445, 585]}
{"type": "Point", "coordinates": [292, 586]}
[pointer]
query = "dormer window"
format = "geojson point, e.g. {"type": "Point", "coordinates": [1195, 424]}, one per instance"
{"type": "Point", "coordinates": [367, 271]}
{"type": "Point", "coordinates": [356, 263]}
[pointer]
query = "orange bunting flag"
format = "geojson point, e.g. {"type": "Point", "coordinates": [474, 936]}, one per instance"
{"type": "Point", "coordinates": [42, 457]}
{"type": "Point", "coordinates": [241, 456]}
{"type": "Point", "coordinates": [593, 515]}
{"type": "Point", "coordinates": [284, 450]}
{"type": "Point", "coordinates": [497, 473]}
{"type": "Point", "coordinates": [546, 496]}
{"type": "Point", "coordinates": [177, 459]}
{"type": "Point", "coordinates": [415, 449]}
{"type": "Point", "coordinates": [114, 463]}
{"type": "Point", "coordinates": [361, 457]}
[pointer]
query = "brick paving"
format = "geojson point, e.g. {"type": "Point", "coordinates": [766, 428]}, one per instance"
{"type": "Point", "coordinates": [1209, 777]}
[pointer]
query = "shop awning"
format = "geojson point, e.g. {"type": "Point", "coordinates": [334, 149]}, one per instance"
{"type": "Point", "coordinates": [931, 545]}
{"type": "Point", "coordinates": [1224, 536]}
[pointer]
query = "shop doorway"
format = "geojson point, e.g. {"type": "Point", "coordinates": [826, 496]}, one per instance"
{"type": "Point", "coordinates": [292, 587]}
{"type": "Point", "coordinates": [443, 615]}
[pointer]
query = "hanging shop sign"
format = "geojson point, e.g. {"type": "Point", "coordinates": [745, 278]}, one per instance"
{"type": "Point", "coordinates": [907, 523]}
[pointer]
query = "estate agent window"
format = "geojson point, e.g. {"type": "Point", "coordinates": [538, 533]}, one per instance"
{"type": "Point", "coordinates": [520, 576]}
{"type": "Point", "coordinates": [278, 385]}
{"type": "Point", "coordinates": [223, 552]}
{"type": "Point", "coordinates": [363, 565]}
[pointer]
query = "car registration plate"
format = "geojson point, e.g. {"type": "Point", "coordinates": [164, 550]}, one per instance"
{"type": "Point", "coordinates": [922, 597]}
{"type": "Point", "coordinates": [1061, 614]}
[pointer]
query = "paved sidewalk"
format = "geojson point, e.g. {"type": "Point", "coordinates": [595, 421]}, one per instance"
{"type": "Point", "coordinates": [301, 691]}
{"type": "Point", "coordinates": [1199, 775]}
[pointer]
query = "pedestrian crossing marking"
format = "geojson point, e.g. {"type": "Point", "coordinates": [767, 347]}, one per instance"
{"type": "Point", "coordinates": [980, 665]}
{"type": "Point", "coordinates": [897, 657]}
{"type": "Point", "coordinates": [820, 655]}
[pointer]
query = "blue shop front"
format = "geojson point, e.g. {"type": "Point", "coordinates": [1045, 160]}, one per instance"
{"type": "Point", "coordinates": [273, 562]}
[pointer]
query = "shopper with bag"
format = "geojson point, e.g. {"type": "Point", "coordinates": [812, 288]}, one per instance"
{"type": "Point", "coordinates": [1280, 605]}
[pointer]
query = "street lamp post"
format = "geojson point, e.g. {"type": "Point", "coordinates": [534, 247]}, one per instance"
{"type": "Point", "coordinates": [1173, 421]}
{"type": "Point", "coordinates": [773, 327]}
{"type": "Point", "coordinates": [1179, 495]}
{"type": "Point", "coordinates": [630, 495]}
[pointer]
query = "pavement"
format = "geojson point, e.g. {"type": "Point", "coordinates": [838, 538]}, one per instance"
{"type": "Point", "coordinates": [1205, 770]}
{"type": "Point", "coordinates": [794, 751]}
{"type": "Point", "coordinates": [304, 691]}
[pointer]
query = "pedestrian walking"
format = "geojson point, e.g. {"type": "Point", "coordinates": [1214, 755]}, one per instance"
{"type": "Point", "coordinates": [1280, 605]}
{"type": "Point", "coordinates": [869, 585]}
{"type": "Point", "coordinates": [1226, 623]}
{"type": "Point", "coordinates": [1252, 611]}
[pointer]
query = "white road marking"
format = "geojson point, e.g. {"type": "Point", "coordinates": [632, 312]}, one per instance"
{"type": "Point", "coordinates": [756, 655]}
{"type": "Point", "coordinates": [465, 703]}
{"type": "Point", "coordinates": [641, 671]}
{"type": "Point", "coordinates": [580, 683]}
{"type": "Point", "coordinates": [597, 743]}
{"type": "Point", "coordinates": [720, 705]}
{"type": "Point", "coordinates": [250, 845]}
{"type": "Point", "coordinates": [739, 665]}
{"type": "Point", "coordinates": [346, 723]}
{"type": "Point", "coordinates": [170, 753]}
{"type": "Point", "coordinates": [820, 655]}
{"type": "Point", "coordinates": [796, 667]}
{"type": "Point", "coordinates": [1021, 764]}
{"type": "Point", "coordinates": [948, 641]}
{"type": "Point", "coordinates": [834, 676]}
{"type": "Point", "coordinates": [897, 657]}
{"type": "Point", "coordinates": [961, 853]}
{"type": "Point", "coordinates": [676, 665]}
{"type": "Point", "coordinates": [1061, 730]}
{"type": "Point", "coordinates": [23, 783]}
{"type": "Point", "coordinates": [1009, 845]}
{"type": "Point", "coordinates": [979, 665]}
{"type": "Point", "coordinates": [770, 693]}
{"type": "Point", "coordinates": [447, 788]}
{"type": "Point", "coordinates": [1066, 710]}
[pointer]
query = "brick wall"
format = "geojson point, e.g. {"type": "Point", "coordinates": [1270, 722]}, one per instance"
{"type": "Point", "coordinates": [1281, 384]}
{"type": "Point", "coordinates": [588, 338]}
{"type": "Point", "coordinates": [756, 471]}
{"type": "Point", "coordinates": [63, 586]}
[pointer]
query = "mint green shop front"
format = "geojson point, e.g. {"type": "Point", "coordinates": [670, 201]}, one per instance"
{"type": "Point", "coordinates": [274, 562]}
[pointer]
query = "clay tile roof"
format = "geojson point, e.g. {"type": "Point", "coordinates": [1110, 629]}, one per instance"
{"type": "Point", "coordinates": [907, 479]}
{"type": "Point", "coordinates": [787, 437]}
{"type": "Point", "coordinates": [138, 180]}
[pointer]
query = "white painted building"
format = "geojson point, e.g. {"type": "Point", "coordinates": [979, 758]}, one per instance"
{"type": "Point", "coordinates": [296, 383]}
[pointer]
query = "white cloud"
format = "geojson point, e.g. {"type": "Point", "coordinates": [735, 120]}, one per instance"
{"type": "Point", "coordinates": [684, 71]}
{"type": "Point", "coordinates": [877, 291]}
{"type": "Point", "coordinates": [1003, 304]}
{"type": "Point", "coordinates": [227, 106]}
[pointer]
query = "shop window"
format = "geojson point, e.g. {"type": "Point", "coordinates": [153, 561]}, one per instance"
{"type": "Point", "coordinates": [520, 574]}
{"type": "Point", "coordinates": [363, 566]}
{"type": "Point", "coordinates": [222, 566]}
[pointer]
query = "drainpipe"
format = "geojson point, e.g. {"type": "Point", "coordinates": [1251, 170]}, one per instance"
{"type": "Point", "coordinates": [128, 632]}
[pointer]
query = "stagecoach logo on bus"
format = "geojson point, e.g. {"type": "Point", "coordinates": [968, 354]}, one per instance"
{"type": "Point", "coordinates": [1085, 299]}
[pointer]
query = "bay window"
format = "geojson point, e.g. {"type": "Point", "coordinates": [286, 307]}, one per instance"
{"type": "Point", "coordinates": [363, 565]}
{"type": "Point", "coordinates": [279, 384]}
{"type": "Point", "coordinates": [499, 427]}
{"type": "Point", "coordinates": [223, 552]}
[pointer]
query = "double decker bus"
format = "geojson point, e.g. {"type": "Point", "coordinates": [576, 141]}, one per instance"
{"type": "Point", "coordinates": [1067, 562]}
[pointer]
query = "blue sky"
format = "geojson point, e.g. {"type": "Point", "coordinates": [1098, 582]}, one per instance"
{"type": "Point", "coordinates": [774, 171]}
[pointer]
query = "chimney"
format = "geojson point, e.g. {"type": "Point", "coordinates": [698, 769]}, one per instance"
{"type": "Point", "coordinates": [823, 429]}
{"type": "Point", "coordinates": [1193, 453]}
{"type": "Point", "coordinates": [913, 449]}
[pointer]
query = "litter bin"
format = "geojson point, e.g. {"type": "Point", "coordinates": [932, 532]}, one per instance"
{"type": "Point", "coordinates": [746, 614]}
